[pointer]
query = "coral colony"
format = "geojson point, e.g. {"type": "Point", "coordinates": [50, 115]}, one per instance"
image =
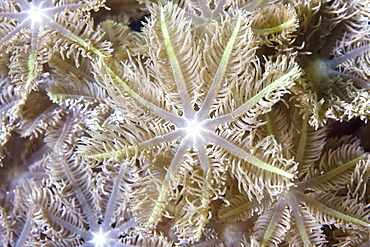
{"type": "Point", "coordinates": [184, 123]}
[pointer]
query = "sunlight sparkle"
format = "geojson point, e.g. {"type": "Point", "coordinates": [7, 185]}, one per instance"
{"type": "Point", "coordinates": [100, 239]}
{"type": "Point", "coordinates": [35, 15]}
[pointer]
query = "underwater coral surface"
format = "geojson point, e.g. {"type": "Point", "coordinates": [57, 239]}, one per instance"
{"type": "Point", "coordinates": [184, 123]}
